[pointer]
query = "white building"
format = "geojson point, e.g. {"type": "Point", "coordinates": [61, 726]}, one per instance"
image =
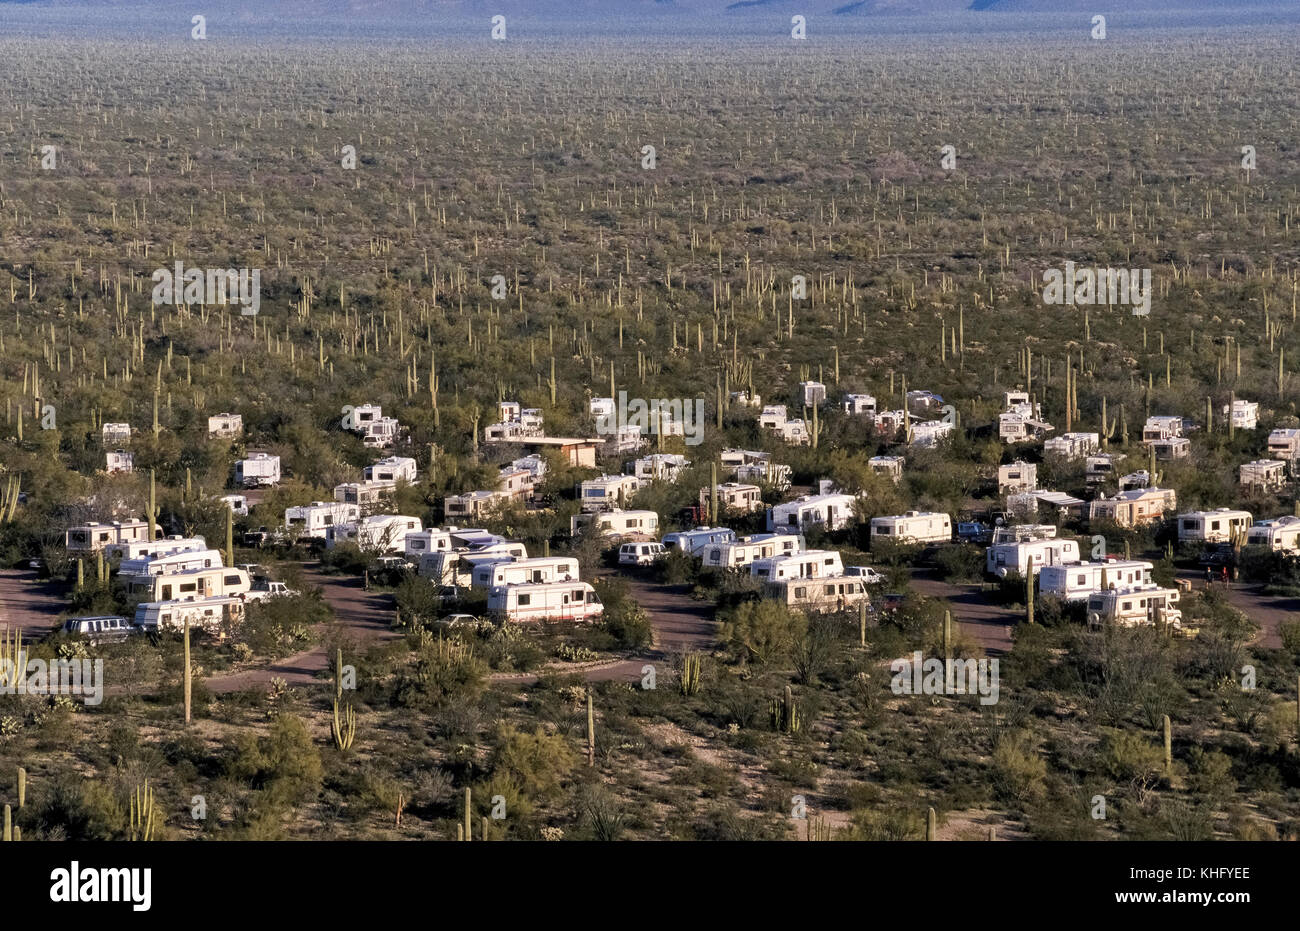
{"type": "Point", "coordinates": [695, 540]}
{"type": "Point", "coordinates": [913, 527]}
{"type": "Point", "coordinates": [1265, 474]}
{"type": "Point", "coordinates": [830, 512]}
{"type": "Point", "coordinates": [855, 404]}
{"type": "Point", "coordinates": [1245, 414]}
{"type": "Point", "coordinates": [225, 426]}
{"type": "Point", "coordinates": [260, 470]}
{"type": "Point", "coordinates": [1017, 476]}
{"type": "Point", "coordinates": [1222, 525]}
{"type": "Point", "coordinates": [391, 469]}
{"type": "Point", "coordinates": [1072, 445]}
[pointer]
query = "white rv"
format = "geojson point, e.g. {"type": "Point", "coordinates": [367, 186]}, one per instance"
{"type": "Point", "coordinates": [119, 461]}
{"type": "Point", "coordinates": [733, 496]}
{"type": "Point", "coordinates": [160, 547]}
{"type": "Point", "coordinates": [809, 564]}
{"type": "Point", "coordinates": [1133, 607]}
{"type": "Point", "coordinates": [191, 585]}
{"type": "Point", "coordinates": [568, 601]}
{"type": "Point", "coordinates": [618, 524]}
{"type": "Point", "coordinates": [1018, 533]}
{"type": "Point", "coordinates": [379, 532]}
{"type": "Point", "coordinates": [94, 536]}
{"type": "Point", "coordinates": [391, 469]}
{"type": "Point", "coordinates": [859, 404]}
{"type": "Point", "coordinates": [363, 494]}
{"type": "Point", "coordinates": [820, 595]}
{"type": "Point", "coordinates": [238, 504]}
{"type": "Point", "coordinates": [1077, 582]}
{"type": "Point", "coordinates": [456, 567]}
{"type": "Point", "coordinates": [743, 552]}
{"type": "Point", "coordinates": [830, 512]}
{"type": "Point", "coordinates": [209, 614]}
{"type": "Point", "coordinates": [1281, 534]}
{"type": "Point", "coordinates": [316, 519]}
{"type": "Point", "coordinates": [260, 470]}
{"type": "Point", "coordinates": [608, 492]}
{"type": "Point", "coordinates": [224, 426]}
{"type": "Point", "coordinates": [691, 542]}
{"type": "Point", "coordinates": [1222, 525]}
{"type": "Point", "coordinates": [1002, 559]}
{"type": "Point", "coordinates": [531, 571]}
{"type": "Point", "coordinates": [182, 561]}
{"type": "Point", "coordinates": [913, 527]}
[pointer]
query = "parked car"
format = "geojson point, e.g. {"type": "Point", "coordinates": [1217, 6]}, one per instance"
{"type": "Point", "coordinates": [100, 628]}
{"type": "Point", "coordinates": [640, 554]}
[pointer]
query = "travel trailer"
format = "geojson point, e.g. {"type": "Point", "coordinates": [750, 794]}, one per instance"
{"type": "Point", "coordinates": [1135, 606]}
{"type": "Point", "coordinates": [533, 570]}
{"type": "Point", "coordinates": [659, 467]}
{"type": "Point", "coordinates": [391, 469]}
{"type": "Point", "coordinates": [238, 504]}
{"type": "Point", "coordinates": [1098, 468]}
{"type": "Point", "coordinates": [119, 462]}
{"type": "Point", "coordinates": [225, 426]}
{"type": "Point", "coordinates": [1222, 525]}
{"type": "Point", "coordinates": [316, 519]}
{"type": "Point", "coordinates": [364, 494]}
{"type": "Point", "coordinates": [691, 542]}
{"type": "Point", "coordinates": [734, 496]}
{"type": "Point", "coordinates": [160, 547]}
{"type": "Point", "coordinates": [1024, 557]}
{"type": "Point", "coordinates": [821, 595]}
{"type": "Point", "coordinates": [567, 601]}
{"type": "Point", "coordinates": [913, 527]}
{"type": "Point", "coordinates": [474, 505]}
{"type": "Point", "coordinates": [640, 554]}
{"type": "Point", "coordinates": [1138, 506]}
{"type": "Point", "coordinates": [1072, 445]}
{"type": "Point", "coordinates": [743, 552]}
{"type": "Point", "coordinates": [1264, 474]}
{"type": "Point", "coordinates": [94, 536]}
{"type": "Point", "coordinates": [190, 585]}
{"type": "Point", "coordinates": [457, 567]}
{"type": "Point", "coordinates": [210, 614]}
{"type": "Point", "coordinates": [1017, 476]}
{"type": "Point", "coordinates": [432, 540]}
{"type": "Point", "coordinates": [859, 404]}
{"type": "Point", "coordinates": [1284, 444]}
{"type": "Point", "coordinates": [608, 492]}
{"type": "Point", "coordinates": [368, 419]}
{"type": "Point", "coordinates": [1281, 534]}
{"type": "Point", "coordinates": [384, 533]}
{"type": "Point", "coordinates": [182, 561]}
{"type": "Point", "coordinates": [830, 512]}
{"type": "Point", "coordinates": [1245, 414]}
{"type": "Point", "coordinates": [1159, 429]}
{"type": "Point", "coordinates": [618, 525]}
{"type": "Point", "coordinates": [889, 466]}
{"type": "Point", "coordinates": [808, 564]}
{"type": "Point", "coordinates": [111, 434]}
{"type": "Point", "coordinates": [260, 470]}
{"type": "Point", "coordinates": [1078, 581]}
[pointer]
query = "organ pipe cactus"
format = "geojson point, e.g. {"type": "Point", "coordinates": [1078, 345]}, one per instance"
{"type": "Point", "coordinates": [344, 728]}
{"type": "Point", "coordinates": [142, 815]}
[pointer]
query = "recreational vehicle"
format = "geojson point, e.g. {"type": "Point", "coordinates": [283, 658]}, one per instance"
{"type": "Point", "coordinates": [1135, 606]}
{"type": "Point", "coordinates": [1264, 474]}
{"type": "Point", "coordinates": [160, 547]}
{"type": "Point", "coordinates": [1245, 414]}
{"type": "Point", "coordinates": [1020, 533]}
{"type": "Point", "coordinates": [830, 512]}
{"type": "Point", "coordinates": [659, 467]}
{"type": "Point", "coordinates": [734, 496]}
{"type": "Point", "coordinates": [1130, 508]}
{"type": "Point", "coordinates": [379, 532]}
{"type": "Point", "coordinates": [1284, 444]}
{"type": "Point", "coordinates": [211, 614]}
{"type": "Point", "coordinates": [391, 469]}
{"type": "Point", "coordinates": [607, 492]}
{"type": "Point", "coordinates": [809, 564]}
{"type": "Point", "coordinates": [568, 601]}
{"type": "Point", "coordinates": [821, 595]}
{"type": "Point", "coordinates": [1159, 429]}
{"type": "Point", "coordinates": [913, 527]}
{"type": "Point", "coordinates": [110, 434]}
{"type": "Point", "coordinates": [533, 570]}
{"type": "Point", "coordinates": [94, 536]}
{"type": "Point", "coordinates": [1017, 476]}
{"type": "Point", "coordinates": [316, 519]}
{"type": "Point", "coordinates": [238, 504]}
{"type": "Point", "coordinates": [457, 567]}
{"type": "Point", "coordinates": [225, 426]}
{"type": "Point", "coordinates": [1097, 469]}
{"type": "Point", "coordinates": [119, 461]}
{"type": "Point", "coordinates": [1222, 525]}
{"type": "Point", "coordinates": [617, 524]}
{"type": "Point", "coordinates": [363, 494]}
{"type": "Point", "coordinates": [1281, 534]}
{"type": "Point", "coordinates": [1072, 445]}
{"type": "Point", "coordinates": [260, 470]}
{"type": "Point", "coordinates": [1077, 582]}
{"type": "Point", "coordinates": [182, 561]}
{"type": "Point", "coordinates": [745, 551]}
{"type": "Point", "coordinates": [691, 542]}
{"type": "Point", "coordinates": [889, 466]}
{"type": "Point", "coordinates": [859, 404]}
{"type": "Point", "coordinates": [190, 585]}
{"type": "Point", "coordinates": [1002, 559]}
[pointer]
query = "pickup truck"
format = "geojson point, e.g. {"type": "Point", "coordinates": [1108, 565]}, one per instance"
{"type": "Point", "coordinates": [266, 588]}
{"type": "Point", "coordinates": [868, 575]}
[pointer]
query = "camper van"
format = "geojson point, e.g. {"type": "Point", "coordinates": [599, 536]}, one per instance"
{"type": "Point", "coordinates": [535, 570]}
{"type": "Point", "coordinates": [1222, 525]}
{"type": "Point", "coordinates": [640, 554]}
{"type": "Point", "coordinates": [913, 527]}
{"type": "Point", "coordinates": [821, 595]}
{"type": "Point", "coordinates": [742, 552]}
{"type": "Point", "coordinates": [569, 601]}
{"type": "Point", "coordinates": [191, 585]}
{"type": "Point", "coordinates": [1002, 559]}
{"type": "Point", "coordinates": [101, 628]}
{"type": "Point", "coordinates": [456, 567]}
{"type": "Point", "coordinates": [619, 525]}
{"type": "Point", "coordinates": [810, 564]}
{"type": "Point", "coordinates": [691, 542]}
{"type": "Point", "coordinates": [1076, 582]}
{"type": "Point", "coordinates": [209, 614]}
{"type": "Point", "coordinates": [1132, 607]}
{"type": "Point", "coordinates": [1281, 534]}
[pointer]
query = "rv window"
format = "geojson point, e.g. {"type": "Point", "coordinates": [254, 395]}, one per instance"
{"type": "Point", "coordinates": [830, 589]}
{"type": "Point", "coordinates": [524, 601]}
{"type": "Point", "coordinates": [578, 595]}
{"type": "Point", "coordinates": [167, 593]}
{"type": "Point", "coordinates": [232, 580]}
{"type": "Point", "coordinates": [1127, 606]}
{"type": "Point", "coordinates": [189, 587]}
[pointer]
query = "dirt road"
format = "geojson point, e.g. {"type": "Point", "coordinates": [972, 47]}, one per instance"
{"type": "Point", "coordinates": [29, 602]}
{"type": "Point", "coordinates": [990, 625]}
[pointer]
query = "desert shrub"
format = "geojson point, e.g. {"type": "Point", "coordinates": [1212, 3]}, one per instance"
{"type": "Point", "coordinates": [763, 631]}
{"type": "Point", "coordinates": [1018, 770]}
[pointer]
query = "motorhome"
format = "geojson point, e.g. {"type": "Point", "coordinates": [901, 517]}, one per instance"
{"type": "Point", "coordinates": [1162, 428]}
{"type": "Point", "coordinates": [734, 496]}
{"type": "Point", "coordinates": [568, 601]}
{"type": "Point", "coordinates": [743, 552]}
{"type": "Point", "coordinates": [640, 554]}
{"type": "Point", "coordinates": [606, 493]}
{"type": "Point", "coordinates": [1222, 525]}
{"type": "Point", "coordinates": [211, 614]}
{"type": "Point", "coordinates": [830, 512]}
{"type": "Point", "coordinates": [691, 542]}
{"type": "Point", "coordinates": [368, 419]}
{"type": "Point", "coordinates": [807, 564]}
{"type": "Point", "coordinates": [618, 525]}
{"type": "Point", "coordinates": [391, 469]}
{"type": "Point", "coordinates": [181, 561]}
{"type": "Point", "coordinates": [1135, 606]}
{"type": "Point", "coordinates": [1100, 467]}
{"type": "Point", "coordinates": [456, 567]}
{"type": "Point", "coordinates": [859, 404]}
{"type": "Point", "coordinates": [260, 470]}
{"type": "Point", "coordinates": [474, 505]}
{"type": "Point", "coordinates": [1076, 582]}
{"type": "Point", "coordinates": [364, 494]}
{"type": "Point", "coordinates": [94, 536]}
{"type": "Point", "coordinates": [190, 585]}
{"type": "Point", "coordinates": [1245, 414]}
{"type": "Point", "coordinates": [1130, 508]}
{"type": "Point", "coordinates": [1281, 534]}
{"type": "Point", "coordinates": [1072, 445]}
{"type": "Point", "coordinates": [1027, 556]}
{"type": "Point", "coordinates": [820, 595]}
{"type": "Point", "coordinates": [384, 533]}
{"type": "Point", "coordinates": [889, 466]}
{"type": "Point", "coordinates": [776, 474]}
{"type": "Point", "coordinates": [533, 570]}
{"type": "Point", "coordinates": [913, 527]}
{"type": "Point", "coordinates": [316, 519]}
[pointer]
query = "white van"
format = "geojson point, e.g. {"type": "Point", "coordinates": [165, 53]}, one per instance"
{"type": "Point", "coordinates": [100, 628]}
{"type": "Point", "coordinates": [640, 554]}
{"type": "Point", "coordinates": [569, 601]}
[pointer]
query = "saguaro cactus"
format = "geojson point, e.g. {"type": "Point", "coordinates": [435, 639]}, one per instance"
{"type": "Point", "coordinates": [230, 536]}
{"type": "Point", "coordinates": [591, 730]}
{"type": "Point", "coordinates": [931, 824]}
{"type": "Point", "coordinates": [1169, 756]}
{"type": "Point", "coordinates": [188, 674]}
{"type": "Point", "coordinates": [1029, 597]}
{"type": "Point", "coordinates": [152, 514]}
